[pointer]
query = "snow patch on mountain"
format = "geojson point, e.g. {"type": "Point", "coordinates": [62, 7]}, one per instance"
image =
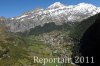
{"type": "Point", "coordinates": [56, 5]}
{"type": "Point", "coordinates": [22, 16]}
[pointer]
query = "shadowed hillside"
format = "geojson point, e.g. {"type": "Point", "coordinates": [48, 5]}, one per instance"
{"type": "Point", "coordinates": [86, 39]}
{"type": "Point", "coordinates": [89, 44]}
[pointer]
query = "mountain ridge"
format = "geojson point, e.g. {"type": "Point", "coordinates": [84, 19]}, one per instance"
{"type": "Point", "coordinates": [57, 13]}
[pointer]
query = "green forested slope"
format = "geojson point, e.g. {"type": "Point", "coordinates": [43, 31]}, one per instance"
{"type": "Point", "coordinates": [18, 49]}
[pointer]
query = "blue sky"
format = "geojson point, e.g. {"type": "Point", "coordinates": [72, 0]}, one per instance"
{"type": "Point", "coordinates": [11, 8]}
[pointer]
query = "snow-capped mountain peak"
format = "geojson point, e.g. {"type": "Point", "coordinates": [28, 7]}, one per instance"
{"type": "Point", "coordinates": [57, 13]}
{"type": "Point", "coordinates": [86, 6]}
{"type": "Point", "coordinates": [56, 5]}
